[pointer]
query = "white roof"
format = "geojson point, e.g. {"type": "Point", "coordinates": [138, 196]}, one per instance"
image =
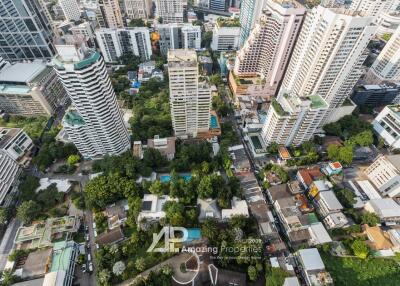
{"type": "Point", "coordinates": [239, 207]}
{"type": "Point", "coordinates": [311, 259]}
{"type": "Point", "coordinates": [319, 234]}
{"type": "Point", "coordinates": [22, 72]}
{"type": "Point", "coordinates": [369, 190]}
{"type": "Point", "coordinates": [55, 278]}
{"type": "Point", "coordinates": [330, 199]}
{"type": "Point", "coordinates": [291, 281]}
{"type": "Point", "coordinates": [321, 185]}
{"type": "Point", "coordinates": [62, 185]}
{"type": "Point", "coordinates": [385, 208]}
{"type": "Point", "coordinates": [274, 262]}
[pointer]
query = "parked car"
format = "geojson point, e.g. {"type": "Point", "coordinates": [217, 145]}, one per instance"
{"type": "Point", "coordinates": [90, 267]}
{"type": "Point", "coordinates": [87, 237]}
{"type": "Point", "coordinates": [89, 257]}
{"type": "Point", "coordinates": [83, 268]}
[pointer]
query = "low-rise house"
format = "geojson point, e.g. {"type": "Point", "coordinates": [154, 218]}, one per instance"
{"type": "Point", "coordinates": [116, 213]}
{"type": "Point", "coordinates": [318, 234]}
{"type": "Point", "coordinates": [239, 207]}
{"type": "Point", "coordinates": [384, 173]}
{"type": "Point", "coordinates": [377, 239]}
{"type": "Point", "coordinates": [335, 220]}
{"type": "Point", "coordinates": [333, 168]}
{"type": "Point", "coordinates": [208, 209]}
{"type": "Point", "coordinates": [109, 237]}
{"type": "Point", "coordinates": [152, 208]}
{"type": "Point", "coordinates": [386, 209]}
{"type": "Point", "coordinates": [313, 267]}
{"type": "Point", "coordinates": [137, 149]}
{"type": "Point", "coordinates": [16, 144]}
{"type": "Point", "coordinates": [166, 146]}
{"type": "Point", "coordinates": [291, 281]}
{"type": "Point", "coordinates": [307, 176]}
{"type": "Point", "coordinates": [62, 185]}
{"type": "Point", "coordinates": [319, 186]}
{"type": "Point", "coordinates": [327, 203]}
{"type": "Point", "coordinates": [240, 161]}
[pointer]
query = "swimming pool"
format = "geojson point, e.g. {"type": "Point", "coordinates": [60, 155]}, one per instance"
{"type": "Point", "coordinates": [193, 234]}
{"type": "Point", "coordinates": [213, 122]}
{"type": "Point", "coordinates": [167, 178]}
{"type": "Point", "coordinates": [256, 142]}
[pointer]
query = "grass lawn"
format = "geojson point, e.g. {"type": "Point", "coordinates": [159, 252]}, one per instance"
{"type": "Point", "coordinates": [355, 271]}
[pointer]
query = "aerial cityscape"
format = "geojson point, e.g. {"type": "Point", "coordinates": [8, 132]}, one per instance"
{"type": "Point", "coordinates": [200, 142]}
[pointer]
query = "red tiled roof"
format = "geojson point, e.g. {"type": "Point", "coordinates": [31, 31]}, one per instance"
{"type": "Point", "coordinates": [310, 175]}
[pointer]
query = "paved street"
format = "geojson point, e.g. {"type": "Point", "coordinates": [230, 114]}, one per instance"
{"type": "Point", "coordinates": [7, 241]}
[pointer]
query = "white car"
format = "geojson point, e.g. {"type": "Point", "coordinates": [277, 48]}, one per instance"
{"type": "Point", "coordinates": [89, 257]}
{"type": "Point", "coordinates": [90, 267]}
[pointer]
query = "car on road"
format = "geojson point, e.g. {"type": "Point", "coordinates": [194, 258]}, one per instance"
{"type": "Point", "coordinates": [83, 268]}
{"type": "Point", "coordinates": [90, 267]}
{"type": "Point", "coordinates": [87, 228]}
{"type": "Point", "coordinates": [89, 257]}
{"type": "Point", "coordinates": [87, 237]}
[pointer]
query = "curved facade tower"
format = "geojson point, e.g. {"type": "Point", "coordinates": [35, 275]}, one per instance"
{"type": "Point", "coordinates": [94, 123]}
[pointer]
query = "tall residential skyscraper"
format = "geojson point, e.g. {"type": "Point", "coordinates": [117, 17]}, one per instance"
{"type": "Point", "coordinates": [94, 123]}
{"type": "Point", "coordinates": [268, 49]}
{"type": "Point", "coordinates": [9, 173]}
{"type": "Point", "coordinates": [71, 9]}
{"type": "Point", "coordinates": [329, 53]}
{"type": "Point", "coordinates": [170, 11]}
{"type": "Point", "coordinates": [178, 36]}
{"type": "Point", "coordinates": [250, 12]}
{"type": "Point", "coordinates": [387, 65]}
{"type": "Point", "coordinates": [114, 43]}
{"type": "Point", "coordinates": [138, 9]}
{"type": "Point", "coordinates": [326, 63]}
{"type": "Point", "coordinates": [190, 98]}
{"type": "Point", "coordinates": [109, 14]}
{"type": "Point", "coordinates": [293, 120]}
{"type": "Point", "coordinates": [25, 31]}
{"type": "Point", "coordinates": [373, 7]}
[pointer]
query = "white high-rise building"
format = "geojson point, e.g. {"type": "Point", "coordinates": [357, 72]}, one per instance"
{"type": "Point", "coordinates": [9, 172]}
{"type": "Point", "coordinates": [114, 43]}
{"type": "Point", "coordinates": [138, 9]}
{"type": "Point", "coordinates": [170, 11]}
{"type": "Point", "coordinates": [71, 9]}
{"type": "Point", "coordinates": [94, 123]}
{"type": "Point", "coordinates": [190, 98]}
{"type": "Point", "coordinates": [293, 120]}
{"type": "Point", "coordinates": [179, 36]}
{"type": "Point", "coordinates": [374, 8]}
{"type": "Point", "coordinates": [387, 65]}
{"type": "Point", "coordinates": [267, 50]}
{"type": "Point", "coordinates": [109, 14]}
{"type": "Point", "coordinates": [327, 60]}
{"type": "Point", "coordinates": [250, 11]}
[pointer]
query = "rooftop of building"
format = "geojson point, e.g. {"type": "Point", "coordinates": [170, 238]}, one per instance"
{"type": "Point", "coordinates": [317, 102]}
{"type": "Point", "coordinates": [330, 199]}
{"type": "Point", "coordinates": [62, 254]}
{"type": "Point", "coordinates": [14, 89]}
{"type": "Point", "coordinates": [7, 135]}
{"type": "Point", "coordinates": [395, 109]}
{"type": "Point", "coordinates": [395, 160]}
{"type": "Point", "coordinates": [37, 263]}
{"type": "Point", "coordinates": [309, 175]}
{"type": "Point", "coordinates": [22, 72]}
{"type": "Point", "coordinates": [184, 57]}
{"type": "Point", "coordinates": [311, 259]}
{"type": "Point", "coordinates": [73, 118]}
{"type": "Point", "coordinates": [385, 208]}
{"type": "Point", "coordinates": [228, 22]}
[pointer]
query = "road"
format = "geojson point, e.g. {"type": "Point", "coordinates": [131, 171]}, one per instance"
{"type": "Point", "coordinates": [7, 241]}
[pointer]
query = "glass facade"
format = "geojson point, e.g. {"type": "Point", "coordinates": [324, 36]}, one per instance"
{"type": "Point", "coordinates": [25, 31]}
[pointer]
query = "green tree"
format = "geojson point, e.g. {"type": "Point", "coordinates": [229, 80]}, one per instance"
{"type": "Point", "coordinates": [360, 249]}
{"type": "Point", "coordinates": [370, 218]}
{"type": "Point", "coordinates": [49, 197]}
{"type": "Point", "coordinates": [273, 148]}
{"type": "Point", "coordinates": [153, 158]}
{"type": "Point", "coordinates": [205, 189]}
{"type": "Point", "coordinates": [73, 159]}
{"type": "Point", "coordinates": [27, 188]}
{"type": "Point", "coordinates": [252, 272]}
{"type": "Point", "coordinates": [206, 39]}
{"type": "Point", "coordinates": [3, 215]}
{"type": "Point", "coordinates": [209, 230]}
{"type": "Point", "coordinates": [346, 197]}
{"type": "Point", "coordinates": [28, 211]}
{"type": "Point", "coordinates": [333, 152]}
{"type": "Point", "coordinates": [140, 264]}
{"type": "Point", "coordinates": [174, 213]}
{"type": "Point", "coordinates": [346, 155]}
{"type": "Point", "coordinates": [103, 276]}
{"type": "Point", "coordinates": [274, 276]}
{"type": "Point", "coordinates": [216, 79]}
{"type": "Point", "coordinates": [156, 188]}
{"type": "Point", "coordinates": [7, 277]}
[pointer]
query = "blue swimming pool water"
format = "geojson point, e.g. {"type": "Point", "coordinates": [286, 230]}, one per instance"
{"type": "Point", "coordinates": [213, 122]}
{"type": "Point", "coordinates": [167, 178]}
{"type": "Point", "coordinates": [193, 234]}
